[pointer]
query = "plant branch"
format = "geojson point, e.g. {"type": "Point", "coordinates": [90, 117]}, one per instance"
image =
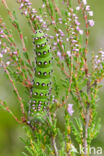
{"type": "Point", "coordinates": [10, 112]}
{"type": "Point", "coordinates": [19, 98]}
{"type": "Point", "coordinates": [54, 146]}
{"type": "Point", "coordinates": [87, 118]}
{"type": "Point", "coordinates": [15, 24]}
{"type": "Point", "coordinates": [56, 8]}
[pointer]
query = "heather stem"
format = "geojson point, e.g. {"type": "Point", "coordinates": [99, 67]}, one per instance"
{"type": "Point", "coordinates": [86, 131]}
{"type": "Point", "coordinates": [54, 146]}
{"type": "Point", "coordinates": [87, 118]}
{"type": "Point", "coordinates": [10, 112]}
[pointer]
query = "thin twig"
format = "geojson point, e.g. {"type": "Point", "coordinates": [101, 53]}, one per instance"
{"type": "Point", "coordinates": [10, 112]}
{"type": "Point", "coordinates": [54, 145]}
{"type": "Point", "coordinates": [19, 98]}
{"type": "Point", "coordinates": [53, 140]}
{"type": "Point", "coordinates": [56, 8]}
{"type": "Point", "coordinates": [87, 118]}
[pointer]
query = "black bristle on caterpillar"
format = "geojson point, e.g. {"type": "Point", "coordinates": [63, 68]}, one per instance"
{"type": "Point", "coordinates": [42, 78]}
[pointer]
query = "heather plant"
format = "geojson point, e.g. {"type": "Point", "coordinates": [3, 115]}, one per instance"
{"type": "Point", "coordinates": [69, 119]}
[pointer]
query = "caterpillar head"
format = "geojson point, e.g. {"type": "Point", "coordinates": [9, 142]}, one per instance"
{"type": "Point", "coordinates": [38, 34]}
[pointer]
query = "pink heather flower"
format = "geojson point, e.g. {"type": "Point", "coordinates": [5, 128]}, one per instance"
{"type": "Point", "coordinates": [84, 2]}
{"type": "Point", "coordinates": [71, 37]}
{"type": "Point", "coordinates": [5, 50]}
{"type": "Point", "coordinates": [81, 32]}
{"type": "Point", "coordinates": [57, 35]}
{"type": "Point", "coordinates": [74, 41]}
{"type": "Point", "coordinates": [69, 19]}
{"type": "Point", "coordinates": [90, 13]}
{"type": "Point", "coordinates": [2, 36]}
{"type": "Point", "coordinates": [72, 28]}
{"type": "Point", "coordinates": [63, 47]}
{"type": "Point", "coordinates": [97, 61]}
{"type": "Point", "coordinates": [77, 23]}
{"type": "Point", "coordinates": [60, 30]}
{"type": "Point", "coordinates": [101, 52]}
{"type": "Point", "coordinates": [47, 29]}
{"type": "Point", "coordinates": [1, 31]}
{"type": "Point", "coordinates": [1, 55]}
{"type": "Point", "coordinates": [44, 22]}
{"type": "Point", "coordinates": [63, 2]}
{"type": "Point", "coordinates": [68, 53]}
{"type": "Point", "coordinates": [76, 45]}
{"type": "Point", "coordinates": [77, 8]}
{"type": "Point", "coordinates": [51, 37]}
{"type": "Point", "coordinates": [53, 22]}
{"type": "Point", "coordinates": [73, 32]}
{"type": "Point", "coordinates": [58, 40]}
{"type": "Point", "coordinates": [70, 109]}
{"type": "Point", "coordinates": [71, 9]}
{"type": "Point", "coordinates": [60, 22]}
{"type": "Point", "coordinates": [67, 39]}
{"type": "Point", "coordinates": [46, 35]}
{"type": "Point", "coordinates": [41, 20]}
{"type": "Point", "coordinates": [60, 19]}
{"type": "Point", "coordinates": [87, 8]}
{"type": "Point", "coordinates": [77, 28]}
{"type": "Point", "coordinates": [55, 43]}
{"type": "Point", "coordinates": [26, 1]}
{"type": "Point", "coordinates": [59, 55]}
{"type": "Point", "coordinates": [32, 16]}
{"type": "Point", "coordinates": [38, 17]}
{"type": "Point", "coordinates": [75, 50]}
{"type": "Point", "coordinates": [96, 56]}
{"type": "Point", "coordinates": [91, 23]}
{"type": "Point", "coordinates": [15, 52]}
{"type": "Point", "coordinates": [34, 11]}
{"type": "Point", "coordinates": [25, 12]}
{"type": "Point", "coordinates": [44, 25]}
{"type": "Point", "coordinates": [8, 63]}
{"type": "Point", "coordinates": [76, 17]}
{"type": "Point", "coordinates": [62, 34]}
{"type": "Point", "coordinates": [43, 6]}
{"type": "Point", "coordinates": [21, 6]}
{"type": "Point", "coordinates": [54, 48]}
{"type": "Point", "coordinates": [28, 4]}
{"type": "Point", "coordinates": [69, 13]}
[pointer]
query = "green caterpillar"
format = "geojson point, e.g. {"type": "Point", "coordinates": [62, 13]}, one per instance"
{"type": "Point", "coordinates": [42, 78]}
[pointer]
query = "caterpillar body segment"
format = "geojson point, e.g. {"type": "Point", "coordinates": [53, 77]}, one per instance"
{"type": "Point", "coordinates": [43, 71]}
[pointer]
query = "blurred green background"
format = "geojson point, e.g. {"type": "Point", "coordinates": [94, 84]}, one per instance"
{"type": "Point", "coordinates": [10, 131]}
